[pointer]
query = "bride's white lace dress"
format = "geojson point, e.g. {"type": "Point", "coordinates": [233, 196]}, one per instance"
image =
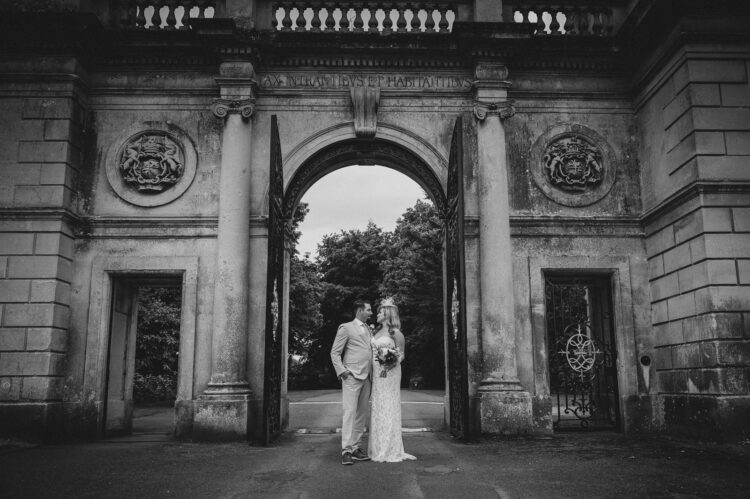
{"type": "Point", "coordinates": [385, 443]}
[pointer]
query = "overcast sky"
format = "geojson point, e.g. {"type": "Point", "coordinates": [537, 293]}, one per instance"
{"type": "Point", "coordinates": [348, 198]}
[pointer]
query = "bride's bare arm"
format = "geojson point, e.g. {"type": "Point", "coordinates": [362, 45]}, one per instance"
{"type": "Point", "coordinates": [400, 344]}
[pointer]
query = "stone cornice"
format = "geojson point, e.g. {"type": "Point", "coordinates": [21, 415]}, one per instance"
{"type": "Point", "coordinates": [691, 191]}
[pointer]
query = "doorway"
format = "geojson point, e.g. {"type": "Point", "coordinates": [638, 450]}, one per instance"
{"type": "Point", "coordinates": [142, 356]}
{"type": "Point", "coordinates": [581, 352]}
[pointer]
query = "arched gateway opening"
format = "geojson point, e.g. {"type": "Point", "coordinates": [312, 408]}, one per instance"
{"type": "Point", "coordinates": [282, 203]}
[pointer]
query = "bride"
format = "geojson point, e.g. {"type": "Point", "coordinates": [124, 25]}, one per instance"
{"type": "Point", "coordinates": [385, 443]}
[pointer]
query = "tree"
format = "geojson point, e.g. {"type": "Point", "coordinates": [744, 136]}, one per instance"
{"type": "Point", "coordinates": [413, 274]}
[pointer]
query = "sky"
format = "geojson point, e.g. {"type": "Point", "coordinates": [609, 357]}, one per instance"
{"type": "Point", "coordinates": [350, 197]}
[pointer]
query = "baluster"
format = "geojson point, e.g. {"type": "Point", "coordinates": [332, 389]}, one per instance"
{"type": "Point", "coordinates": [554, 26]}
{"type": "Point", "coordinates": [140, 18]}
{"type": "Point", "coordinates": [301, 22]}
{"type": "Point", "coordinates": [330, 21]}
{"type": "Point", "coordinates": [416, 22]}
{"type": "Point", "coordinates": [315, 22]}
{"type": "Point", "coordinates": [443, 23]}
{"type": "Point", "coordinates": [597, 27]}
{"type": "Point", "coordinates": [401, 21]}
{"type": "Point", "coordinates": [171, 16]}
{"type": "Point", "coordinates": [344, 23]}
{"type": "Point", "coordinates": [387, 21]}
{"type": "Point", "coordinates": [372, 24]}
{"type": "Point", "coordinates": [359, 23]}
{"type": "Point", "coordinates": [286, 22]}
{"type": "Point", "coordinates": [429, 23]}
{"type": "Point", "coordinates": [570, 24]}
{"type": "Point", "coordinates": [540, 21]}
{"type": "Point", "coordinates": [583, 22]}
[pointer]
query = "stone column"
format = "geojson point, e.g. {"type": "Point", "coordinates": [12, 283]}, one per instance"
{"type": "Point", "coordinates": [504, 406]}
{"type": "Point", "coordinates": [222, 412]}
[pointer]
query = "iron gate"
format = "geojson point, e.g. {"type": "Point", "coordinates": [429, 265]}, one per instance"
{"type": "Point", "coordinates": [581, 353]}
{"type": "Point", "coordinates": [274, 293]}
{"type": "Point", "coordinates": [455, 294]}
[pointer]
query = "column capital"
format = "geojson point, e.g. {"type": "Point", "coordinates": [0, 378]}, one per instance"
{"type": "Point", "coordinates": [224, 107]}
{"type": "Point", "coordinates": [502, 109]}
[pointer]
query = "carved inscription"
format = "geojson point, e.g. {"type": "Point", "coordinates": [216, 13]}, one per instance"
{"type": "Point", "coordinates": [335, 81]}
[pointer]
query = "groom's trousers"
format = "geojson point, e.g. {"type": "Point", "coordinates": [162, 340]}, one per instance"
{"type": "Point", "coordinates": [356, 402]}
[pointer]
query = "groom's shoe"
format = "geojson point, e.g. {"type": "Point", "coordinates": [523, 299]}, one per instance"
{"type": "Point", "coordinates": [360, 455]}
{"type": "Point", "coordinates": [346, 458]}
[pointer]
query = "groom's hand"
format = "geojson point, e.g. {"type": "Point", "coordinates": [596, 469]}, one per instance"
{"type": "Point", "coordinates": [345, 374]}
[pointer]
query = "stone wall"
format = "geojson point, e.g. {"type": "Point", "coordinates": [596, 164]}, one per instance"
{"type": "Point", "coordinates": [41, 144]}
{"type": "Point", "coordinates": [695, 128]}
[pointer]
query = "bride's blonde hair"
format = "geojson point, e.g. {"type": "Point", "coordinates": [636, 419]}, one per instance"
{"type": "Point", "coordinates": [392, 320]}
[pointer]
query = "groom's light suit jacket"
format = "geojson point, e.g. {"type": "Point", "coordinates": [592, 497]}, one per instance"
{"type": "Point", "coordinates": [351, 350]}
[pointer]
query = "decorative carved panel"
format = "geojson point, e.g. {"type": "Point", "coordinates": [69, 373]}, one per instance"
{"type": "Point", "coordinates": [153, 165]}
{"type": "Point", "coordinates": [573, 165]}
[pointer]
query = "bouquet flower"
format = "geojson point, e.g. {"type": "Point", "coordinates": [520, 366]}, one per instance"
{"type": "Point", "coordinates": [387, 357]}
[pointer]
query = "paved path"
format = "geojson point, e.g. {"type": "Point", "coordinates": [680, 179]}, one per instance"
{"type": "Point", "coordinates": [308, 466]}
{"type": "Point", "coordinates": [320, 410]}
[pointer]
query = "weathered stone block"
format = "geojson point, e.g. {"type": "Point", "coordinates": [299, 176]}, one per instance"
{"type": "Point", "coordinates": [735, 94]}
{"type": "Point", "coordinates": [41, 388]}
{"type": "Point", "coordinates": [738, 142]}
{"type": "Point", "coordinates": [687, 355]}
{"type": "Point", "coordinates": [741, 219]}
{"type": "Point", "coordinates": [659, 312]}
{"type": "Point", "coordinates": [663, 358]}
{"type": "Point", "coordinates": [717, 219]}
{"type": "Point", "coordinates": [3, 267]}
{"type": "Point", "coordinates": [45, 338]}
{"type": "Point", "coordinates": [723, 168]}
{"type": "Point", "coordinates": [697, 249]}
{"type": "Point", "coordinates": [708, 353]}
{"type": "Point", "coordinates": [49, 291]}
{"type": "Point", "coordinates": [10, 389]}
{"type": "Point", "coordinates": [37, 151]}
{"type": "Point", "coordinates": [743, 271]}
{"type": "Point", "coordinates": [721, 271]}
{"type": "Point", "coordinates": [12, 339]}
{"type": "Point", "coordinates": [723, 118]}
{"type": "Point", "coordinates": [41, 195]}
{"type": "Point", "coordinates": [733, 353]}
{"type": "Point", "coordinates": [16, 243]}
{"type": "Point", "coordinates": [58, 129]}
{"type": "Point", "coordinates": [668, 334]}
{"type": "Point", "coordinates": [717, 71]}
{"type": "Point", "coordinates": [217, 419]}
{"type": "Point", "coordinates": [20, 174]}
{"type": "Point", "coordinates": [681, 306]}
{"type": "Point", "coordinates": [32, 314]}
{"type": "Point", "coordinates": [14, 291]}
{"type": "Point", "coordinates": [723, 298]}
{"type": "Point", "coordinates": [31, 364]}
{"type": "Point", "coordinates": [660, 242]}
{"type": "Point", "coordinates": [727, 245]}
{"type": "Point", "coordinates": [693, 277]}
{"type": "Point", "coordinates": [688, 227]}
{"type": "Point", "coordinates": [677, 258]}
{"type": "Point", "coordinates": [710, 143]}
{"type": "Point", "coordinates": [54, 243]}
{"type": "Point", "coordinates": [671, 381]}
{"type": "Point", "coordinates": [55, 174]}
{"type": "Point", "coordinates": [656, 266]}
{"type": "Point", "coordinates": [714, 326]}
{"type": "Point", "coordinates": [665, 287]}
{"type": "Point", "coordinates": [677, 131]}
{"type": "Point", "coordinates": [39, 267]}
{"type": "Point", "coordinates": [49, 108]}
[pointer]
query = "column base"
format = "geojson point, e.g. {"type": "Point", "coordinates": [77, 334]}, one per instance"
{"type": "Point", "coordinates": [222, 417]}
{"type": "Point", "coordinates": [505, 412]}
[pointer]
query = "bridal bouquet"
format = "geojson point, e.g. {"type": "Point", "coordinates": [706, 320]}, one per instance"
{"type": "Point", "coordinates": [386, 357]}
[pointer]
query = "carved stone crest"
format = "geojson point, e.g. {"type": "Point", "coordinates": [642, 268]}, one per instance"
{"type": "Point", "coordinates": [573, 164]}
{"type": "Point", "coordinates": [151, 162]}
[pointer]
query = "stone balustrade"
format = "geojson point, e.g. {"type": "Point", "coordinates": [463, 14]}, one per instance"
{"type": "Point", "coordinates": [165, 14]}
{"type": "Point", "coordinates": [571, 18]}
{"type": "Point", "coordinates": [373, 17]}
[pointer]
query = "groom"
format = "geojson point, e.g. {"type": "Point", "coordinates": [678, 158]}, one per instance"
{"type": "Point", "coordinates": [351, 355]}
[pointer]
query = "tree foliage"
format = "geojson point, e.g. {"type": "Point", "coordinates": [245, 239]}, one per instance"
{"type": "Point", "coordinates": [157, 344]}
